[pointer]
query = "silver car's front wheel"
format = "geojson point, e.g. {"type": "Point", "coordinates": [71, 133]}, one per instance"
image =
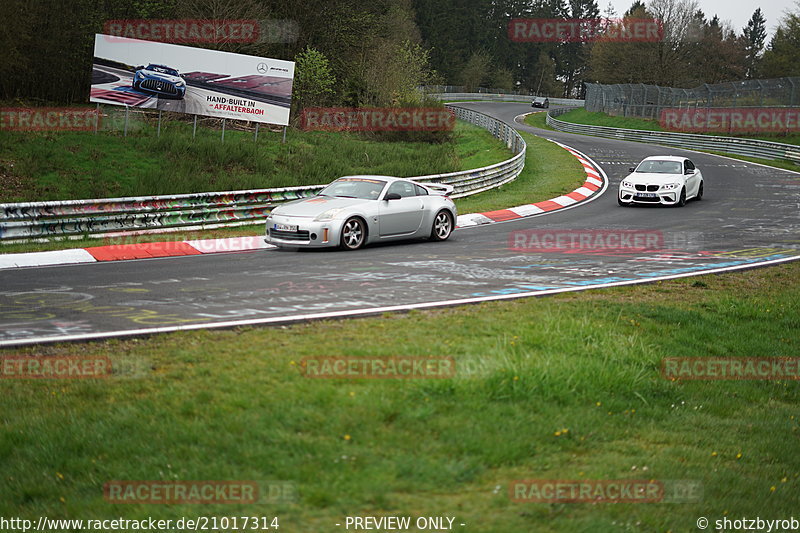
{"type": "Point", "coordinates": [442, 226]}
{"type": "Point", "coordinates": [353, 234]}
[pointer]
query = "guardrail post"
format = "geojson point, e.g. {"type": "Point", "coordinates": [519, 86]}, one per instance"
{"type": "Point", "coordinates": [194, 128]}
{"type": "Point", "coordinates": [158, 135]}
{"type": "Point", "coordinates": [223, 130]}
{"type": "Point", "coordinates": [125, 131]}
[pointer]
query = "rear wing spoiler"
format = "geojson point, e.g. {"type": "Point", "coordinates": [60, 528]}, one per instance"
{"type": "Point", "coordinates": [441, 189]}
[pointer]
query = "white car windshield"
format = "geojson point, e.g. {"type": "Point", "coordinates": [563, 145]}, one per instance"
{"type": "Point", "coordinates": [364, 188]}
{"type": "Point", "coordinates": [659, 166]}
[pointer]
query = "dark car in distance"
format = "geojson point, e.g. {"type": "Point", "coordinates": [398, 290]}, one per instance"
{"type": "Point", "coordinates": [541, 101]}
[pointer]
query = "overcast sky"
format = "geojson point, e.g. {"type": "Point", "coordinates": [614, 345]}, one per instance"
{"type": "Point", "coordinates": [737, 12]}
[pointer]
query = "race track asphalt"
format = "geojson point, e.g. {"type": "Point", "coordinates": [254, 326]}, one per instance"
{"type": "Point", "coordinates": [748, 217]}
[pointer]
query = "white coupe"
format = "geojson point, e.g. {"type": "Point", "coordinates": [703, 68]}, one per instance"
{"type": "Point", "coordinates": [661, 179]}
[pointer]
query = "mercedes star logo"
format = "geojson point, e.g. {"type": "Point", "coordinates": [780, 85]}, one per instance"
{"type": "Point", "coordinates": [262, 68]}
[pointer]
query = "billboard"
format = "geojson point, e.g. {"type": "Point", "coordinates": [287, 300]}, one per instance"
{"type": "Point", "coordinates": [170, 77]}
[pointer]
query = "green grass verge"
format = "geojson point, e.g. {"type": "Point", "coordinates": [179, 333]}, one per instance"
{"type": "Point", "coordinates": [581, 116]}
{"type": "Point", "coordinates": [549, 171]}
{"type": "Point", "coordinates": [76, 165]}
{"type": "Point", "coordinates": [538, 120]}
{"type": "Point", "coordinates": [566, 387]}
{"type": "Point", "coordinates": [787, 165]}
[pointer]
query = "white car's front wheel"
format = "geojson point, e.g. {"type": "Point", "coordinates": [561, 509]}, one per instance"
{"type": "Point", "coordinates": [682, 198]}
{"type": "Point", "coordinates": [353, 234]}
{"type": "Point", "coordinates": [442, 226]}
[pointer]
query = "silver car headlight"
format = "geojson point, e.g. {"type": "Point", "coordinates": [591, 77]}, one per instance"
{"type": "Point", "coordinates": [330, 214]}
{"type": "Point", "coordinates": [180, 83]}
{"type": "Point", "coordinates": [670, 186]}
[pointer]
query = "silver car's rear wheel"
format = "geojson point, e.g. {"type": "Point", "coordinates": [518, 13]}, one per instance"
{"type": "Point", "coordinates": [353, 234]}
{"type": "Point", "coordinates": [442, 226]}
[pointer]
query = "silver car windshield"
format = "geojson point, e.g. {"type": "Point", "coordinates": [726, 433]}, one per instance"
{"type": "Point", "coordinates": [364, 188]}
{"type": "Point", "coordinates": [658, 166]}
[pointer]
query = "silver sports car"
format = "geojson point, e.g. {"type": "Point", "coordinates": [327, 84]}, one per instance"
{"type": "Point", "coordinates": [357, 210]}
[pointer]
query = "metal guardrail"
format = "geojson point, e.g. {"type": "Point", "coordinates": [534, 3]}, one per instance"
{"type": "Point", "coordinates": [471, 182]}
{"type": "Point", "coordinates": [692, 141]}
{"type": "Point", "coordinates": [71, 218]}
{"type": "Point", "coordinates": [501, 97]}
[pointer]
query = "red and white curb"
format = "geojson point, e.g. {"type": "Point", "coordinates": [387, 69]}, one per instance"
{"type": "Point", "coordinates": [144, 250]}
{"type": "Point", "coordinates": [592, 187]}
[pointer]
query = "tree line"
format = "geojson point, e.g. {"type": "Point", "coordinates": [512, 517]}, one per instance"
{"type": "Point", "coordinates": [377, 52]}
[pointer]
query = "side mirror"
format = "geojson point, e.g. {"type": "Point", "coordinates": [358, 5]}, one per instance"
{"type": "Point", "coordinates": [392, 196]}
{"type": "Point", "coordinates": [632, 169]}
{"type": "Point", "coordinates": [689, 171]}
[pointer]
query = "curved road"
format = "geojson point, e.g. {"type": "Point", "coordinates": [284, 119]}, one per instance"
{"type": "Point", "coordinates": [748, 217]}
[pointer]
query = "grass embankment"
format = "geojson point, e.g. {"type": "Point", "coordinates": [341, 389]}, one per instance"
{"type": "Point", "coordinates": [581, 116]}
{"type": "Point", "coordinates": [549, 171]}
{"type": "Point", "coordinates": [68, 165]}
{"type": "Point", "coordinates": [567, 387]}
{"type": "Point", "coordinates": [538, 120]}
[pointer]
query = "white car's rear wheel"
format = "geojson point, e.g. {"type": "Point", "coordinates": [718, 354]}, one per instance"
{"type": "Point", "coordinates": [442, 226]}
{"type": "Point", "coordinates": [700, 191]}
{"type": "Point", "coordinates": [353, 234]}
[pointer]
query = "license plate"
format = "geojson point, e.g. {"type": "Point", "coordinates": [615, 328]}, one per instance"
{"type": "Point", "coordinates": [646, 194]}
{"type": "Point", "coordinates": [284, 227]}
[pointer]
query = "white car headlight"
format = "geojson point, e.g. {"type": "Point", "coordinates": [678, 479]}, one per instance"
{"type": "Point", "coordinates": [670, 186]}
{"type": "Point", "coordinates": [330, 214]}
{"type": "Point", "coordinates": [627, 184]}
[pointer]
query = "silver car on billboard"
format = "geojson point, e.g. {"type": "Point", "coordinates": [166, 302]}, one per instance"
{"type": "Point", "coordinates": [357, 210]}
